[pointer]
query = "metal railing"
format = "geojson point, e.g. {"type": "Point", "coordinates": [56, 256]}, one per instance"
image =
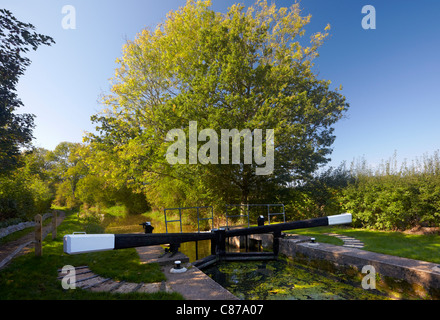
{"type": "Point", "coordinates": [247, 215]}
{"type": "Point", "coordinates": [187, 208]}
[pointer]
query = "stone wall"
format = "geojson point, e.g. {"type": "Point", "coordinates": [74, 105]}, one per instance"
{"type": "Point", "coordinates": [411, 276]}
{"type": "Point", "coordinates": [416, 277]}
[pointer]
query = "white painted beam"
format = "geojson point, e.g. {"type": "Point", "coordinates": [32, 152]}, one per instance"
{"type": "Point", "coordinates": [83, 243]}
{"type": "Point", "coordinates": [340, 219]}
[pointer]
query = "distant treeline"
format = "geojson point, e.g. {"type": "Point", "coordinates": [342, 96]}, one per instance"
{"type": "Point", "coordinates": [58, 177]}
{"type": "Point", "coordinates": [388, 197]}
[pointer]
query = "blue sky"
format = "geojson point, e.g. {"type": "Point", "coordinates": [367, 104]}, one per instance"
{"type": "Point", "coordinates": [390, 75]}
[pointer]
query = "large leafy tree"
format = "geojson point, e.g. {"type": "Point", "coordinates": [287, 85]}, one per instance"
{"type": "Point", "coordinates": [245, 69]}
{"type": "Point", "coordinates": [16, 38]}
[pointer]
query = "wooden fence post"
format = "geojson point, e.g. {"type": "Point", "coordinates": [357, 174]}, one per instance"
{"type": "Point", "coordinates": [54, 225]}
{"type": "Point", "coordinates": [38, 235]}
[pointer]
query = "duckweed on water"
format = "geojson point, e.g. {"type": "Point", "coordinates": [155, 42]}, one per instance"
{"type": "Point", "coordinates": [285, 280]}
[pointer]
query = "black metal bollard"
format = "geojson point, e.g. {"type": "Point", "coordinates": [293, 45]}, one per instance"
{"type": "Point", "coordinates": [148, 228]}
{"type": "Point", "coordinates": [260, 221]}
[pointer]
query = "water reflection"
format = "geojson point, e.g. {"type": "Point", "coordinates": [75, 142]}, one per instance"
{"type": "Point", "coordinates": [131, 224]}
{"type": "Point", "coordinates": [193, 250]}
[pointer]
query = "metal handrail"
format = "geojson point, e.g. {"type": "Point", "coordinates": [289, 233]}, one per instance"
{"type": "Point", "coordinates": [186, 208]}
{"type": "Point", "coordinates": [269, 214]}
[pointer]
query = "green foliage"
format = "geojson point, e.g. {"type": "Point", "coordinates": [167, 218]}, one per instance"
{"type": "Point", "coordinates": [320, 195]}
{"type": "Point", "coordinates": [245, 69]}
{"type": "Point", "coordinates": [16, 38]}
{"type": "Point", "coordinates": [25, 191]}
{"type": "Point", "coordinates": [394, 202]}
{"type": "Point", "coordinates": [77, 184]}
{"type": "Point", "coordinates": [15, 198]}
{"type": "Point", "coordinates": [391, 199]}
{"type": "Point", "coordinates": [388, 198]}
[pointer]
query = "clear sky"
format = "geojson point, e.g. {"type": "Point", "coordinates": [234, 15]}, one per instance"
{"type": "Point", "coordinates": [390, 75]}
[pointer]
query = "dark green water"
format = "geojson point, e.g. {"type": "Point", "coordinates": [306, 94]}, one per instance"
{"type": "Point", "coordinates": [285, 280]}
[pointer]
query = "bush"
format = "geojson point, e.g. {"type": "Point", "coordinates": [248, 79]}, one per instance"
{"type": "Point", "coordinates": [23, 196]}
{"type": "Point", "coordinates": [16, 200]}
{"type": "Point", "coordinates": [320, 196]}
{"type": "Point", "coordinates": [391, 199]}
{"type": "Point", "coordinates": [385, 199]}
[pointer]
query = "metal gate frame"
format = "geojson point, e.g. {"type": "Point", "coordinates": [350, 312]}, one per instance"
{"type": "Point", "coordinates": [180, 217]}
{"type": "Point", "coordinates": [255, 205]}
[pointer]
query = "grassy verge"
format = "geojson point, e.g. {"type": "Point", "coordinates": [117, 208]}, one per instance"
{"type": "Point", "coordinates": [21, 233]}
{"type": "Point", "coordinates": [419, 247]}
{"type": "Point", "coordinates": [29, 277]}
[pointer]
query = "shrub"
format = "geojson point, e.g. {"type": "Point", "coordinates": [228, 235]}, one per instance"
{"type": "Point", "coordinates": [391, 199]}
{"type": "Point", "coordinates": [23, 196]}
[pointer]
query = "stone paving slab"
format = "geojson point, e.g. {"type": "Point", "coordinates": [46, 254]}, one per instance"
{"type": "Point", "coordinates": [156, 254]}
{"type": "Point", "coordinates": [150, 287]}
{"type": "Point", "coordinates": [90, 282]}
{"type": "Point", "coordinates": [196, 285]}
{"type": "Point", "coordinates": [348, 241]}
{"type": "Point", "coordinates": [126, 287]}
{"type": "Point", "coordinates": [106, 286]}
{"type": "Point", "coordinates": [192, 284]}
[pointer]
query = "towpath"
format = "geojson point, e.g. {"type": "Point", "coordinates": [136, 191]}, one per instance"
{"type": "Point", "coordinates": [22, 245]}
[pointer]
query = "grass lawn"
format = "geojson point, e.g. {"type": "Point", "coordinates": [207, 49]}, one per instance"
{"type": "Point", "coordinates": [419, 247]}
{"type": "Point", "coordinates": [30, 278]}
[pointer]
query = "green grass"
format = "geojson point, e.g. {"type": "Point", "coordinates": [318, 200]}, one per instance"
{"type": "Point", "coordinates": [419, 247]}
{"type": "Point", "coordinates": [116, 211]}
{"type": "Point", "coordinates": [29, 277]}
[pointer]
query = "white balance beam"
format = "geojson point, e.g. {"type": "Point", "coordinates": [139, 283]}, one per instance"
{"type": "Point", "coordinates": [83, 243]}
{"type": "Point", "coordinates": [340, 219]}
